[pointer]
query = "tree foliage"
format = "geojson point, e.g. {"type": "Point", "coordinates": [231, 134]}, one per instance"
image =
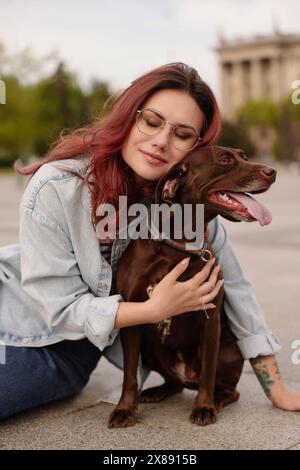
{"type": "Point", "coordinates": [264, 113]}
{"type": "Point", "coordinates": [36, 111]}
{"type": "Point", "coordinates": [235, 135]}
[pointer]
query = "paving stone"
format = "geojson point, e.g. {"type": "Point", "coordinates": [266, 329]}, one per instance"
{"type": "Point", "coordinates": [270, 257]}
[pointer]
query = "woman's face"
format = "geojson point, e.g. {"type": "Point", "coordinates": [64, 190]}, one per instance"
{"type": "Point", "coordinates": [175, 106]}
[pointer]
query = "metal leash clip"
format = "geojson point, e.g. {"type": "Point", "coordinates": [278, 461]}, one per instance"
{"type": "Point", "coordinates": [203, 257]}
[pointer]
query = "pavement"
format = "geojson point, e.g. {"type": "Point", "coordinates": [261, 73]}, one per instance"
{"type": "Point", "coordinates": [270, 257]}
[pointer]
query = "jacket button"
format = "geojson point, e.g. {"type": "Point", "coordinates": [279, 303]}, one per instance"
{"type": "Point", "coordinates": [103, 286]}
{"type": "Point", "coordinates": [25, 340]}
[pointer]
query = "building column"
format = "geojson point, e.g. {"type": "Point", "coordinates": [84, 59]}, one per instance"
{"type": "Point", "coordinates": [276, 78]}
{"type": "Point", "coordinates": [237, 93]}
{"type": "Point", "coordinates": [226, 90]}
{"type": "Point", "coordinates": [256, 80]}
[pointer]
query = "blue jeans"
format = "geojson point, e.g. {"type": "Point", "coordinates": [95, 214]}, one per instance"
{"type": "Point", "coordinates": [35, 376]}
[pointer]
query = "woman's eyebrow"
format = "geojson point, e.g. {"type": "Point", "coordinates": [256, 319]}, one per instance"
{"type": "Point", "coordinates": [183, 124]}
{"type": "Point", "coordinates": [188, 126]}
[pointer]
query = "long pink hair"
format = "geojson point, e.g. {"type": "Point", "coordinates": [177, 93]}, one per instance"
{"type": "Point", "coordinates": [103, 139]}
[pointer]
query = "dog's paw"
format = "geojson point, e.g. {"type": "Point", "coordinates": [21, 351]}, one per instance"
{"type": "Point", "coordinates": [203, 416]}
{"type": "Point", "coordinates": [151, 395]}
{"type": "Point", "coordinates": [159, 393]}
{"type": "Point", "coordinates": [122, 418]}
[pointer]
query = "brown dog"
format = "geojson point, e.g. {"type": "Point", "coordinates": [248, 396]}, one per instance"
{"type": "Point", "coordinates": [188, 350]}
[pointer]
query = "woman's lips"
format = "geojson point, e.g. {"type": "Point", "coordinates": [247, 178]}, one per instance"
{"type": "Point", "coordinates": [152, 160]}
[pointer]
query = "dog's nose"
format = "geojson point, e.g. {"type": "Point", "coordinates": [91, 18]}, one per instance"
{"type": "Point", "coordinates": [269, 172]}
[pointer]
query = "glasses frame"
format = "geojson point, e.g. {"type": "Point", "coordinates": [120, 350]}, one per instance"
{"type": "Point", "coordinates": [173, 127]}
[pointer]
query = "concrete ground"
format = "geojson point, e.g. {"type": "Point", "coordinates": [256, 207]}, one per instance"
{"type": "Point", "coordinates": [270, 257]}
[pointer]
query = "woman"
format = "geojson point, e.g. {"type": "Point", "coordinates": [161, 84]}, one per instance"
{"type": "Point", "coordinates": [59, 312]}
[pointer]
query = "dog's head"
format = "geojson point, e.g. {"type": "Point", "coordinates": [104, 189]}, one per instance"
{"type": "Point", "coordinates": [221, 178]}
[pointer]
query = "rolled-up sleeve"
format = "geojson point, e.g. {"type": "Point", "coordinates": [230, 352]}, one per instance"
{"type": "Point", "coordinates": [244, 314]}
{"type": "Point", "coordinates": [51, 277]}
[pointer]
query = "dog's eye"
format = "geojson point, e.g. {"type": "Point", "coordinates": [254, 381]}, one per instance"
{"type": "Point", "coordinates": [244, 157]}
{"type": "Point", "coordinates": [227, 159]}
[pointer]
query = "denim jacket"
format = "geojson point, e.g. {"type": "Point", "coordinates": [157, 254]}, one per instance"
{"type": "Point", "coordinates": [56, 285]}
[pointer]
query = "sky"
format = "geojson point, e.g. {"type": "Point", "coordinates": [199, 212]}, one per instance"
{"type": "Point", "coordinates": [116, 41]}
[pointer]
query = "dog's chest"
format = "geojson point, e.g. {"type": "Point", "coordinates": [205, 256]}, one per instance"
{"type": "Point", "coordinates": [185, 371]}
{"type": "Point", "coordinates": [176, 333]}
{"type": "Point", "coordinates": [173, 347]}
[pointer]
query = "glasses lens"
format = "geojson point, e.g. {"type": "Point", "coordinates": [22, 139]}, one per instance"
{"type": "Point", "coordinates": [184, 137]}
{"type": "Point", "coordinates": [149, 122]}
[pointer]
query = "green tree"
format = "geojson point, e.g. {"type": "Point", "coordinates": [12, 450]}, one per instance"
{"type": "Point", "coordinates": [16, 121]}
{"type": "Point", "coordinates": [235, 135]}
{"type": "Point", "coordinates": [58, 106]}
{"type": "Point", "coordinates": [97, 97]}
{"type": "Point", "coordinates": [36, 111]}
{"type": "Point", "coordinates": [263, 113]}
{"type": "Point", "coordinates": [288, 141]}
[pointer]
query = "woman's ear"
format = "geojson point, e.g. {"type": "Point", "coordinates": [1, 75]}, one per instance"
{"type": "Point", "coordinates": [168, 185]}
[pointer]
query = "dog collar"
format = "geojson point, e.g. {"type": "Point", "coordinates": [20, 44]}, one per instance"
{"type": "Point", "coordinates": [202, 252]}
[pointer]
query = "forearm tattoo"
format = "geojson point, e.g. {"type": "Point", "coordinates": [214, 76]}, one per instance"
{"type": "Point", "coordinates": [267, 373]}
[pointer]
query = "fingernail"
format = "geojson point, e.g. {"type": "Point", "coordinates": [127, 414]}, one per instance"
{"type": "Point", "coordinates": [185, 261]}
{"type": "Point", "coordinates": [213, 306]}
{"type": "Point", "coordinates": [213, 260]}
{"type": "Point", "coordinates": [222, 281]}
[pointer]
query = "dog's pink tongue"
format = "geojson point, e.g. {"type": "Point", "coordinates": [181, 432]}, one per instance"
{"type": "Point", "coordinates": [255, 208]}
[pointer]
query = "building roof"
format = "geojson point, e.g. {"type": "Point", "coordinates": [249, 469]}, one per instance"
{"type": "Point", "coordinates": [276, 39]}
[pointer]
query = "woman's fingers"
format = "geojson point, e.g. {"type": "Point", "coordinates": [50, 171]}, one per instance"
{"type": "Point", "coordinates": [205, 301]}
{"type": "Point", "coordinates": [202, 275]}
{"type": "Point", "coordinates": [205, 307]}
{"type": "Point", "coordinates": [210, 283]}
{"type": "Point", "coordinates": [208, 297]}
{"type": "Point", "coordinates": [177, 270]}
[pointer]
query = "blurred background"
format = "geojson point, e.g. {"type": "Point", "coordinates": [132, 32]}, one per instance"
{"type": "Point", "coordinates": [60, 61]}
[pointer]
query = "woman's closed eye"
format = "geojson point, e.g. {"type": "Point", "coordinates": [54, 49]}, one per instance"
{"type": "Point", "coordinates": [183, 134]}
{"type": "Point", "coordinates": [153, 123]}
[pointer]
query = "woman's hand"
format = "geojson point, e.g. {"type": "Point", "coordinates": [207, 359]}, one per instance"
{"type": "Point", "coordinates": [286, 399]}
{"type": "Point", "coordinates": [170, 297]}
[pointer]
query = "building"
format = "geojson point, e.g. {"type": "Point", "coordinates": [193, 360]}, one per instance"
{"type": "Point", "coordinates": [260, 68]}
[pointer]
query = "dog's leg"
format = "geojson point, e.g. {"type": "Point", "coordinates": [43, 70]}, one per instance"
{"type": "Point", "coordinates": [225, 396]}
{"type": "Point", "coordinates": [230, 366]}
{"type": "Point", "coordinates": [159, 393]}
{"type": "Point", "coordinates": [124, 413]}
{"type": "Point", "coordinates": [204, 410]}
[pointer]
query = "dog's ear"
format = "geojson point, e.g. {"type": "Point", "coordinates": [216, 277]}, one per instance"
{"type": "Point", "coordinates": [168, 185]}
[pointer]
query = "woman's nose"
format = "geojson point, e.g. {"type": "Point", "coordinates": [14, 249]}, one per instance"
{"type": "Point", "coordinates": [162, 139]}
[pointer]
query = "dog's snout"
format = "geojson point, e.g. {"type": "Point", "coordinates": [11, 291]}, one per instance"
{"type": "Point", "coordinates": [269, 172]}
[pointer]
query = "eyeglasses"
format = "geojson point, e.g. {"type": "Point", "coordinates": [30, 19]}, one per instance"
{"type": "Point", "coordinates": [151, 122]}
